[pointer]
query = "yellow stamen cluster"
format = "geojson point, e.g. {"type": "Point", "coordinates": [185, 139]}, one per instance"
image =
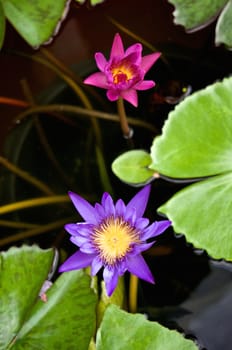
{"type": "Point", "coordinates": [121, 74]}
{"type": "Point", "coordinates": [113, 239]}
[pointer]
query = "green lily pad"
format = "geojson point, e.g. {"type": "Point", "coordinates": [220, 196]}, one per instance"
{"type": "Point", "coordinates": [66, 319]}
{"type": "Point", "coordinates": [224, 26]}
{"type": "Point", "coordinates": [133, 167]}
{"type": "Point", "coordinates": [194, 14]}
{"type": "Point", "coordinates": [2, 25]}
{"type": "Point", "coordinates": [121, 330]}
{"type": "Point", "coordinates": [36, 21]}
{"type": "Point", "coordinates": [197, 142]}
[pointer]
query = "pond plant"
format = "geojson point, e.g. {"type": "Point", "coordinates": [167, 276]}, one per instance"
{"type": "Point", "coordinates": [91, 285]}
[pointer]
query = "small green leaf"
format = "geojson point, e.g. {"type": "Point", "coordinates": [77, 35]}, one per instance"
{"type": "Point", "coordinates": [133, 167]}
{"type": "Point", "coordinates": [2, 25]}
{"type": "Point", "coordinates": [121, 330]}
{"type": "Point", "coordinates": [203, 213]}
{"type": "Point", "coordinates": [36, 21]}
{"type": "Point", "coordinates": [224, 26]}
{"type": "Point", "coordinates": [195, 14]}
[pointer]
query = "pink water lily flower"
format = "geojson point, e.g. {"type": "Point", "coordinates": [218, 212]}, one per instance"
{"type": "Point", "coordinates": [113, 237]}
{"type": "Point", "coordinates": [124, 73]}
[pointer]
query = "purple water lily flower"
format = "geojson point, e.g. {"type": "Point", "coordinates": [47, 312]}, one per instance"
{"type": "Point", "coordinates": [124, 73]}
{"type": "Point", "coordinates": [113, 237]}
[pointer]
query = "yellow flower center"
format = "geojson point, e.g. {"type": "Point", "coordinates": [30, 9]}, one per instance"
{"type": "Point", "coordinates": [121, 74]}
{"type": "Point", "coordinates": [113, 239]}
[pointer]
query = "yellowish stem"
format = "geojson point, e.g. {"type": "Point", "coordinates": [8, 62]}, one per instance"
{"type": "Point", "coordinates": [34, 231]}
{"type": "Point", "coordinates": [28, 203]}
{"type": "Point", "coordinates": [133, 293]}
{"type": "Point", "coordinates": [26, 176]}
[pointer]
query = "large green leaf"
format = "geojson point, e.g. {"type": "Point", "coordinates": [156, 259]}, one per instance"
{"type": "Point", "coordinates": [192, 14]}
{"type": "Point", "coordinates": [36, 21]}
{"type": "Point", "coordinates": [2, 25]}
{"type": "Point", "coordinates": [197, 142]}
{"type": "Point", "coordinates": [224, 26]}
{"type": "Point", "coordinates": [203, 213]}
{"type": "Point", "coordinates": [66, 319]}
{"type": "Point", "coordinates": [197, 138]}
{"type": "Point", "coordinates": [133, 167]}
{"type": "Point", "coordinates": [121, 330]}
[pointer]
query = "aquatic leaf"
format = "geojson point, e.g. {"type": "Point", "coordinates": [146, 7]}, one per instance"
{"type": "Point", "coordinates": [92, 2]}
{"type": "Point", "coordinates": [197, 142]}
{"type": "Point", "coordinates": [37, 21]}
{"type": "Point", "coordinates": [196, 14]}
{"type": "Point", "coordinates": [224, 26]}
{"type": "Point", "coordinates": [121, 330]}
{"type": "Point", "coordinates": [26, 321]}
{"type": "Point", "coordinates": [133, 167]}
{"type": "Point", "coordinates": [2, 25]}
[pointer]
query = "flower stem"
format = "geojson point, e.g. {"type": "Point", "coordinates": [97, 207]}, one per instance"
{"type": "Point", "coordinates": [133, 293]}
{"type": "Point", "coordinates": [126, 130]}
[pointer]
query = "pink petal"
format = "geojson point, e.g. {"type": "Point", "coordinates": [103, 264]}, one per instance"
{"type": "Point", "coordinates": [77, 261]}
{"type": "Point", "coordinates": [134, 48]}
{"type": "Point", "coordinates": [97, 79]}
{"type": "Point", "coordinates": [130, 96]}
{"type": "Point", "coordinates": [117, 49]}
{"type": "Point", "coordinates": [149, 60]}
{"type": "Point", "coordinates": [138, 267]}
{"type": "Point", "coordinates": [139, 201]}
{"type": "Point", "coordinates": [84, 208]}
{"type": "Point", "coordinates": [144, 85]}
{"type": "Point", "coordinates": [100, 61]}
{"type": "Point", "coordinates": [112, 95]}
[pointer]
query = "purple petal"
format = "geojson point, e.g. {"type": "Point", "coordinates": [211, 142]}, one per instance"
{"type": "Point", "coordinates": [120, 208]}
{"type": "Point", "coordinates": [96, 265]}
{"type": "Point", "coordinates": [139, 201]}
{"type": "Point", "coordinates": [117, 49]}
{"type": "Point", "coordinates": [84, 208]}
{"type": "Point", "coordinates": [110, 276]}
{"type": "Point", "coordinates": [130, 215]}
{"type": "Point", "coordinates": [130, 96]}
{"type": "Point", "coordinates": [138, 248]}
{"type": "Point", "coordinates": [138, 267]}
{"type": "Point", "coordinates": [100, 61]}
{"type": "Point", "coordinates": [112, 95]}
{"type": "Point", "coordinates": [155, 229]}
{"type": "Point", "coordinates": [97, 79]}
{"type": "Point", "coordinates": [77, 261]}
{"type": "Point", "coordinates": [84, 229]}
{"type": "Point", "coordinates": [100, 211]}
{"type": "Point", "coordinates": [108, 204]}
{"type": "Point", "coordinates": [72, 229]}
{"type": "Point", "coordinates": [78, 240]}
{"type": "Point", "coordinates": [144, 85]}
{"type": "Point", "coordinates": [87, 248]}
{"type": "Point", "coordinates": [149, 60]}
{"type": "Point", "coordinates": [141, 223]}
